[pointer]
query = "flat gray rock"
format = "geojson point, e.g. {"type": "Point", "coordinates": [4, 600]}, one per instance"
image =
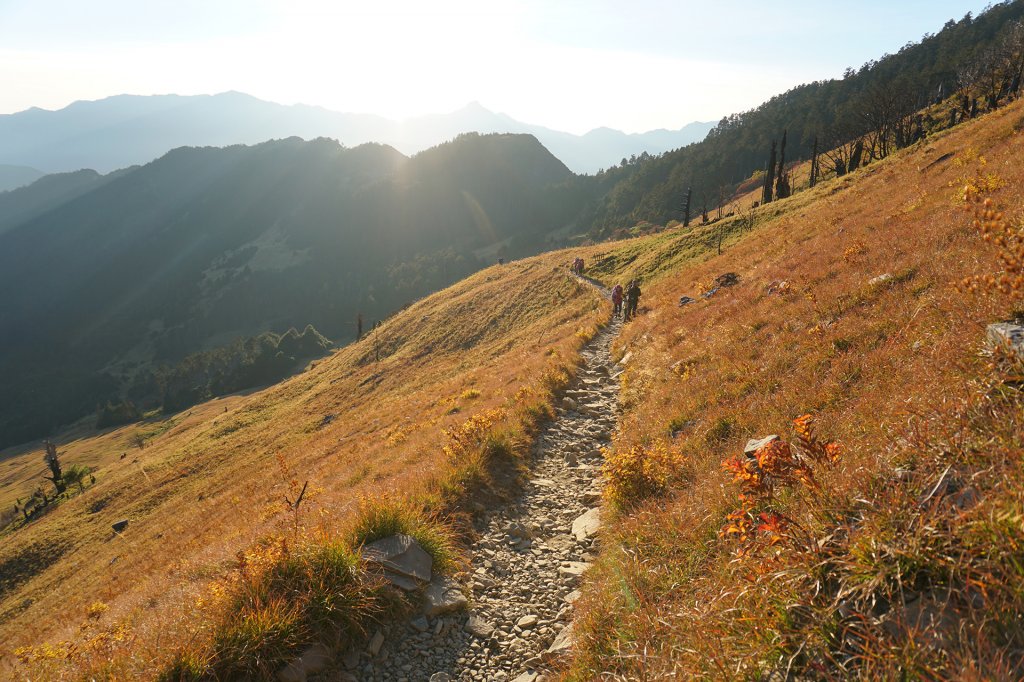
{"type": "Point", "coordinates": [573, 569]}
{"type": "Point", "coordinates": [1008, 337]}
{"type": "Point", "coordinates": [443, 595]}
{"type": "Point", "coordinates": [376, 642]}
{"type": "Point", "coordinates": [478, 627]}
{"type": "Point", "coordinates": [313, 660]}
{"type": "Point", "coordinates": [561, 646]}
{"type": "Point", "coordinates": [402, 555]}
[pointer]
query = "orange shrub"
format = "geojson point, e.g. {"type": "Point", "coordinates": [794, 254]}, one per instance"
{"type": "Point", "coordinates": [640, 472]}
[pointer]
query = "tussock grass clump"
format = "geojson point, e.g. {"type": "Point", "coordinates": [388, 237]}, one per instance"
{"type": "Point", "coordinates": [277, 600]}
{"type": "Point", "coordinates": [382, 517]}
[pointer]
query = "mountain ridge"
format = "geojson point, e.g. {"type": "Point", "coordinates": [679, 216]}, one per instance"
{"type": "Point", "coordinates": [123, 130]}
{"type": "Point", "coordinates": [265, 237]}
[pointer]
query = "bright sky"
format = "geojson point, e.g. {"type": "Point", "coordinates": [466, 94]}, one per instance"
{"type": "Point", "coordinates": [568, 64]}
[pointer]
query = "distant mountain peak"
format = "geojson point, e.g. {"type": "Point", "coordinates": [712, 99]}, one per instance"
{"type": "Point", "coordinates": [124, 130]}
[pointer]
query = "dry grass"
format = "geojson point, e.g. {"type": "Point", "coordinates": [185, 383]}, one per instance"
{"type": "Point", "coordinates": [462, 379]}
{"type": "Point", "coordinates": [902, 559]}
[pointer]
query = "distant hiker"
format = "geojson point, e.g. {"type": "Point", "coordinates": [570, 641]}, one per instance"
{"type": "Point", "coordinates": [617, 300]}
{"type": "Point", "coordinates": [501, 261]}
{"type": "Point", "coordinates": [632, 299]}
{"type": "Point", "coordinates": [580, 273]}
{"type": "Point", "coordinates": [577, 266]}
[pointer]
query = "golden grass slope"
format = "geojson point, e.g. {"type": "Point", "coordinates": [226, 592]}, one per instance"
{"type": "Point", "coordinates": [901, 559]}
{"type": "Point", "coordinates": [211, 481]}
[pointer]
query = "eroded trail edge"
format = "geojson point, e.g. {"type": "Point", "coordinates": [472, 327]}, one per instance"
{"type": "Point", "coordinates": [530, 555]}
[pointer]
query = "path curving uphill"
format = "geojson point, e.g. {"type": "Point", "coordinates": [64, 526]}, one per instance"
{"type": "Point", "coordinates": [530, 556]}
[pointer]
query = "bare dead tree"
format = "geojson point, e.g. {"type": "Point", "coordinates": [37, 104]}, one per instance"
{"type": "Point", "coordinates": [966, 78]}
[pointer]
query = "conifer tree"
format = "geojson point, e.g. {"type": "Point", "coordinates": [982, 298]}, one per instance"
{"type": "Point", "coordinates": [782, 181]}
{"type": "Point", "coordinates": [769, 179]}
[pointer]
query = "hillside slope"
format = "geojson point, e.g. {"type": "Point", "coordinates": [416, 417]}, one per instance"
{"type": "Point", "coordinates": [831, 113]}
{"type": "Point", "coordinates": [206, 245]}
{"type": "Point", "coordinates": [367, 422]}
{"type": "Point", "coordinates": [894, 553]}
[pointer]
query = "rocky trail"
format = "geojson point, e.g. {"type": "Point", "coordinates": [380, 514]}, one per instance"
{"type": "Point", "coordinates": [528, 559]}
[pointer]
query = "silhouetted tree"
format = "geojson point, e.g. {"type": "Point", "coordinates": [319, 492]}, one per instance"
{"type": "Point", "coordinates": [814, 163]}
{"type": "Point", "coordinates": [52, 460]}
{"type": "Point", "coordinates": [782, 179]}
{"type": "Point", "coordinates": [769, 179]}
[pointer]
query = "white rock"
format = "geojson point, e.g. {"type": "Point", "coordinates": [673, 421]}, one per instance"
{"type": "Point", "coordinates": [755, 444]}
{"type": "Point", "coordinates": [527, 622]}
{"type": "Point", "coordinates": [881, 279]}
{"type": "Point", "coordinates": [587, 524]}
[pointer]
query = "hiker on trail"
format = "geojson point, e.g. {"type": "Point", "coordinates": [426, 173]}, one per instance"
{"type": "Point", "coordinates": [575, 269]}
{"type": "Point", "coordinates": [617, 300]}
{"type": "Point", "coordinates": [632, 299]}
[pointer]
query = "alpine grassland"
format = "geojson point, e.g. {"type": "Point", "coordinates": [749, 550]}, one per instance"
{"type": "Point", "coordinates": [875, 530]}
{"type": "Point", "coordinates": [880, 534]}
{"type": "Point", "coordinates": [245, 514]}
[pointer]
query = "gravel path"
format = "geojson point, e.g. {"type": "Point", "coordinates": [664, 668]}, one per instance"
{"type": "Point", "coordinates": [530, 555]}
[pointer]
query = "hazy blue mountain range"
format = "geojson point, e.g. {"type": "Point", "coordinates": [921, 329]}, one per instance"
{"type": "Point", "coordinates": [104, 276]}
{"type": "Point", "coordinates": [126, 130]}
{"type": "Point", "coordinates": [12, 177]}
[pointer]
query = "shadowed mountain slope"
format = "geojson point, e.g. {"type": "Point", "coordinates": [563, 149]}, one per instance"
{"type": "Point", "coordinates": [205, 245]}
